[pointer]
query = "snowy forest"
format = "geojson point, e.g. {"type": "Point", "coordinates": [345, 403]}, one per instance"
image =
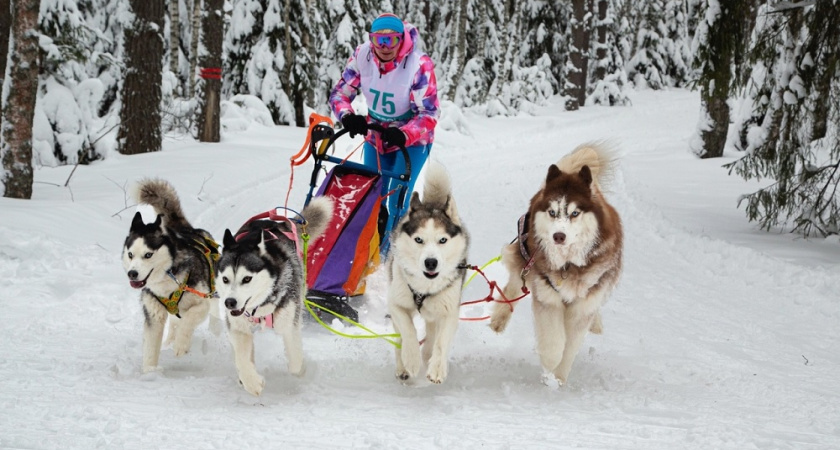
{"type": "Point", "coordinates": [82, 78]}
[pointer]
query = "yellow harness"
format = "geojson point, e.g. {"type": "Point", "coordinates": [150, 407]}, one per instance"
{"type": "Point", "coordinates": [210, 250]}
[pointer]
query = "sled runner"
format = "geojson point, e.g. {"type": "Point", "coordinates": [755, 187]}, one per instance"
{"type": "Point", "coordinates": [357, 236]}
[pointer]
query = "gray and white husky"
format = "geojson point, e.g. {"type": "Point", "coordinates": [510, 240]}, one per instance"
{"type": "Point", "coordinates": [262, 284]}
{"type": "Point", "coordinates": [569, 254]}
{"type": "Point", "coordinates": [426, 269]}
{"type": "Point", "coordinates": [173, 265]}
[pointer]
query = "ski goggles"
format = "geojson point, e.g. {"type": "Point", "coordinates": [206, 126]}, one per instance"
{"type": "Point", "coordinates": [385, 40]}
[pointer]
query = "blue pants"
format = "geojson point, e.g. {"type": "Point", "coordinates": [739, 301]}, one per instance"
{"type": "Point", "coordinates": [395, 162]}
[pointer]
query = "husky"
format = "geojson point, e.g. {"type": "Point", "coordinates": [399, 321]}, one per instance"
{"type": "Point", "coordinates": [426, 269]}
{"type": "Point", "coordinates": [568, 254]}
{"type": "Point", "coordinates": [263, 285]}
{"type": "Point", "coordinates": [173, 266]}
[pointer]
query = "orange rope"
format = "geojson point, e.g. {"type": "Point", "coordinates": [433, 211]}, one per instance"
{"type": "Point", "coordinates": [303, 154]}
{"type": "Point", "coordinates": [354, 151]}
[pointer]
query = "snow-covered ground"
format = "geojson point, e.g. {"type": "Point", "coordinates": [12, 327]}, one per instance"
{"type": "Point", "coordinates": [719, 335]}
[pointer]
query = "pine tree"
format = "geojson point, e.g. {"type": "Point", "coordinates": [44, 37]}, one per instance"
{"type": "Point", "coordinates": [241, 36]}
{"type": "Point", "coordinates": [608, 77]}
{"type": "Point", "coordinates": [18, 105]}
{"type": "Point", "coordinates": [791, 132]}
{"type": "Point", "coordinates": [661, 55]}
{"type": "Point", "coordinates": [482, 41]}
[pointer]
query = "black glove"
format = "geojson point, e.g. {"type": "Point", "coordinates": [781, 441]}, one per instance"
{"type": "Point", "coordinates": [393, 136]}
{"type": "Point", "coordinates": [355, 124]}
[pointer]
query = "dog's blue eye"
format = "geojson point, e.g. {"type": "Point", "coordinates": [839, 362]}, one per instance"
{"type": "Point", "coordinates": [246, 280]}
{"type": "Point", "coordinates": [552, 213]}
{"type": "Point", "coordinates": [576, 213]}
{"type": "Point", "coordinates": [148, 255]}
{"type": "Point", "coordinates": [442, 240]}
{"type": "Point", "coordinates": [418, 240]}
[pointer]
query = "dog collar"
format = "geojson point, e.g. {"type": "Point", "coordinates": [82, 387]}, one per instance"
{"type": "Point", "coordinates": [266, 322]}
{"type": "Point", "coordinates": [419, 298]}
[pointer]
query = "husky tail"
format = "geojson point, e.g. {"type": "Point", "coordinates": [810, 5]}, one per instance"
{"type": "Point", "coordinates": [163, 198]}
{"type": "Point", "coordinates": [317, 215]}
{"type": "Point", "coordinates": [437, 189]}
{"type": "Point", "coordinates": [599, 156]}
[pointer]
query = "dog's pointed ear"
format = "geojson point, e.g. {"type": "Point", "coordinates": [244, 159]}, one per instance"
{"type": "Point", "coordinates": [553, 173]}
{"type": "Point", "coordinates": [228, 240]}
{"type": "Point", "coordinates": [451, 211]}
{"type": "Point", "coordinates": [585, 175]}
{"type": "Point", "coordinates": [159, 220]}
{"type": "Point", "coordinates": [261, 245]}
{"type": "Point", "coordinates": [415, 202]}
{"type": "Point", "coordinates": [137, 221]}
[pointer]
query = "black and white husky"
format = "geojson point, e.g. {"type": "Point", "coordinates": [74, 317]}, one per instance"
{"type": "Point", "coordinates": [569, 254]}
{"type": "Point", "coordinates": [173, 265]}
{"type": "Point", "coordinates": [426, 269]}
{"type": "Point", "coordinates": [262, 285]}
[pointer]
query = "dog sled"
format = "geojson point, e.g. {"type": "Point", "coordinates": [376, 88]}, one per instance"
{"type": "Point", "coordinates": [357, 237]}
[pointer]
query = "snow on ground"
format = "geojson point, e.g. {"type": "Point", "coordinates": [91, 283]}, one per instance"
{"type": "Point", "coordinates": [719, 335]}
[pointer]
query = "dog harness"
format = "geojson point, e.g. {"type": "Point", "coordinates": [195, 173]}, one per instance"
{"type": "Point", "coordinates": [419, 298]}
{"type": "Point", "coordinates": [210, 249]}
{"type": "Point", "coordinates": [522, 235]}
{"type": "Point", "coordinates": [272, 215]}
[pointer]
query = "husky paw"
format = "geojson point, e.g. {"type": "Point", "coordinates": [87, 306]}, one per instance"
{"type": "Point", "coordinates": [152, 369]}
{"type": "Point", "coordinates": [254, 384]}
{"type": "Point", "coordinates": [402, 375]}
{"type": "Point", "coordinates": [411, 360]}
{"type": "Point", "coordinates": [181, 347]}
{"type": "Point", "coordinates": [596, 327]}
{"type": "Point", "coordinates": [499, 319]}
{"type": "Point", "coordinates": [437, 371]}
{"type": "Point", "coordinates": [551, 381]}
{"type": "Point", "coordinates": [298, 371]}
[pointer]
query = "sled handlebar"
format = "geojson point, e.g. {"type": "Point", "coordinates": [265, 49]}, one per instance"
{"type": "Point", "coordinates": [405, 176]}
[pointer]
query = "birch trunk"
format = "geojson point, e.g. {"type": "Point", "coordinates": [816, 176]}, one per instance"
{"type": "Point", "coordinates": [196, 25]}
{"type": "Point", "coordinates": [174, 35]}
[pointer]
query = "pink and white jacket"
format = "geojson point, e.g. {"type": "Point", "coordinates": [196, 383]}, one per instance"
{"type": "Point", "coordinates": [421, 105]}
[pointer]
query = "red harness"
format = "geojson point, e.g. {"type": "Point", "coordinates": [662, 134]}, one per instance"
{"type": "Point", "coordinates": [272, 215]}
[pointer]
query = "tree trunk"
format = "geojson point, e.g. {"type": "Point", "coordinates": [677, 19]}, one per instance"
{"type": "Point", "coordinates": [601, 51]}
{"type": "Point", "coordinates": [825, 24]}
{"type": "Point", "coordinates": [174, 36]}
{"type": "Point", "coordinates": [196, 25]}
{"type": "Point", "coordinates": [144, 49]}
{"type": "Point", "coordinates": [575, 87]}
{"type": "Point", "coordinates": [19, 105]}
{"type": "Point", "coordinates": [212, 27]}
{"type": "Point", "coordinates": [724, 41]}
{"type": "Point", "coordinates": [5, 29]}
